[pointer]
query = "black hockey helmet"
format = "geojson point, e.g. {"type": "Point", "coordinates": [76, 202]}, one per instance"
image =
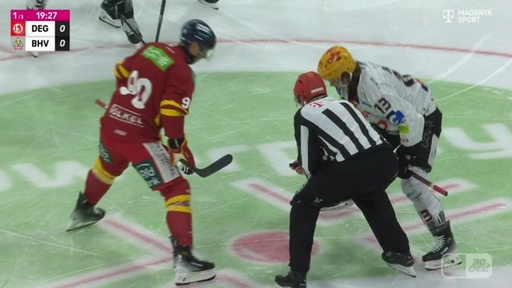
{"type": "Point", "coordinates": [196, 30]}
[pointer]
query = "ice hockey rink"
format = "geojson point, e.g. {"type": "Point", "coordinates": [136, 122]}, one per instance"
{"type": "Point", "coordinates": [243, 105]}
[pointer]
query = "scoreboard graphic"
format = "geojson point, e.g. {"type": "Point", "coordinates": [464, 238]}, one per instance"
{"type": "Point", "coordinates": [40, 30]}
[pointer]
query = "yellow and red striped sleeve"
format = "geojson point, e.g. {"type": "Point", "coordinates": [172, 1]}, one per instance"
{"type": "Point", "coordinates": [120, 71]}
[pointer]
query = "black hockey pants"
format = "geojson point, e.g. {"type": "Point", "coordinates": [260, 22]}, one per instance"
{"type": "Point", "coordinates": [364, 180]}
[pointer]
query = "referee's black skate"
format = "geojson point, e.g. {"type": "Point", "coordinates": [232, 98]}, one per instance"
{"type": "Point", "coordinates": [400, 261]}
{"type": "Point", "coordinates": [84, 214]}
{"type": "Point", "coordinates": [444, 254]}
{"type": "Point", "coordinates": [292, 279]}
{"type": "Point", "coordinates": [188, 268]}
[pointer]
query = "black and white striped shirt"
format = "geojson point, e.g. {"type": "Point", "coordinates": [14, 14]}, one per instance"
{"type": "Point", "coordinates": [332, 130]}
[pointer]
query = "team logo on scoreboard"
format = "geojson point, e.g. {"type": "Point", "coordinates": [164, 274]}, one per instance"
{"type": "Point", "coordinates": [18, 44]}
{"type": "Point", "coordinates": [17, 28]}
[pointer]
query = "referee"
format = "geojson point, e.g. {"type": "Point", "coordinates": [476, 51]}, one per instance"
{"type": "Point", "coordinates": [343, 158]}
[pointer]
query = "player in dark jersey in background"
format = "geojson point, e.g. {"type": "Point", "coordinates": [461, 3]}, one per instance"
{"type": "Point", "coordinates": [339, 152]}
{"type": "Point", "coordinates": [112, 12]}
{"type": "Point", "coordinates": [153, 93]}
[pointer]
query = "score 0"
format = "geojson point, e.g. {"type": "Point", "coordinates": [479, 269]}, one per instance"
{"type": "Point", "coordinates": [62, 36]}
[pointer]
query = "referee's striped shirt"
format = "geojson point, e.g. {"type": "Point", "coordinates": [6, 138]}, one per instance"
{"type": "Point", "coordinates": [330, 129]}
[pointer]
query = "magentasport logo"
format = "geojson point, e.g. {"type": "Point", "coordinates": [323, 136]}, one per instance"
{"type": "Point", "coordinates": [474, 265]}
{"type": "Point", "coordinates": [465, 16]}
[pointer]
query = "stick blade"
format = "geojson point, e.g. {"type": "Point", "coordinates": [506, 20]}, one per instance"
{"type": "Point", "coordinates": [212, 168]}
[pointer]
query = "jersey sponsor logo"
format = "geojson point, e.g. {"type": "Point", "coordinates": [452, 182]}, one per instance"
{"type": "Point", "coordinates": [158, 57]}
{"type": "Point", "coordinates": [396, 117]}
{"type": "Point", "coordinates": [148, 172]}
{"type": "Point", "coordinates": [104, 153]}
{"type": "Point", "coordinates": [124, 115]}
{"type": "Point", "coordinates": [384, 107]}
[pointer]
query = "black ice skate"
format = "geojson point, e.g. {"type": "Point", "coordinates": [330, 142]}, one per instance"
{"type": "Point", "coordinates": [210, 3]}
{"type": "Point", "coordinates": [400, 261]}
{"type": "Point", "coordinates": [292, 279]}
{"type": "Point", "coordinates": [444, 254]}
{"type": "Point", "coordinates": [84, 214]}
{"type": "Point", "coordinates": [109, 13]}
{"type": "Point", "coordinates": [188, 268]}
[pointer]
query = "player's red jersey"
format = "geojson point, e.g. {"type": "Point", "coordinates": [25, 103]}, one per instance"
{"type": "Point", "coordinates": [153, 91]}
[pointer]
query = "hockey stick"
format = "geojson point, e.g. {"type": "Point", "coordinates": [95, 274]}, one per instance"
{"type": "Point", "coordinates": [433, 186]}
{"type": "Point", "coordinates": [101, 103]}
{"type": "Point", "coordinates": [160, 18]}
{"type": "Point", "coordinates": [210, 169]}
{"type": "Point", "coordinates": [202, 172]}
{"type": "Point", "coordinates": [123, 19]}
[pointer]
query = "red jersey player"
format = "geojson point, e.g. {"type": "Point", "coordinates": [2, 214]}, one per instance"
{"type": "Point", "coordinates": [153, 93]}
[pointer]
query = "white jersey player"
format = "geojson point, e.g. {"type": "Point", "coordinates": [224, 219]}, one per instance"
{"type": "Point", "coordinates": [404, 111]}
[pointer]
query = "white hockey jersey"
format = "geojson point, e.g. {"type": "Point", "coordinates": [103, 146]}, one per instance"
{"type": "Point", "coordinates": [396, 103]}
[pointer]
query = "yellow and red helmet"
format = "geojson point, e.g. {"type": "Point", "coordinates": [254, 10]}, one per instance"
{"type": "Point", "coordinates": [308, 86]}
{"type": "Point", "coordinates": [335, 62]}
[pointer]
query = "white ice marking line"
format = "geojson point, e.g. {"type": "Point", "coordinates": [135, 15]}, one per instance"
{"type": "Point", "coordinates": [34, 239]}
{"type": "Point", "coordinates": [280, 198]}
{"type": "Point", "coordinates": [481, 82]}
{"type": "Point", "coordinates": [456, 216]}
{"type": "Point", "coordinates": [146, 240]}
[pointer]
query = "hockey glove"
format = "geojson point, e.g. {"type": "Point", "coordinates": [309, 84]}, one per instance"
{"type": "Point", "coordinates": [178, 149]}
{"type": "Point", "coordinates": [296, 166]}
{"type": "Point", "coordinates": [404, 159]}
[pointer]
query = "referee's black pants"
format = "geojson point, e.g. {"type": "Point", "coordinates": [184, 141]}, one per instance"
{"type": "Point", "coordinates": [364, 179]}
